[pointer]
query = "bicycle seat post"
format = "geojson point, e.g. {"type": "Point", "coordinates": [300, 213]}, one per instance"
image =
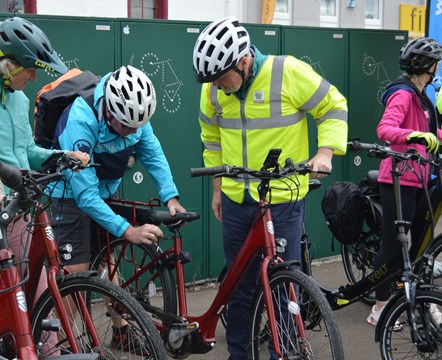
{"type": "Point", "coordinates": [401, 225]}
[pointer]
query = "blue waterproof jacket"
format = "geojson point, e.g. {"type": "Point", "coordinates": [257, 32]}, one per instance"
{"type": "Point", "coordinates": [17, 146]}
{"type": "Point", "coordinates": [79, 129]}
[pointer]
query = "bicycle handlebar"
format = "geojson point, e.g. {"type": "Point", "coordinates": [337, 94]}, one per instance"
{"type": "Point", "coordinates": [210, 171]}
{"type": "Point", "coordinates": [234, 171]}
{"type": "Point", "coordinates": [28, 183]}
{"type": "Point", "coordinates": [356, 145]}
{"type": "Point", "coordinates": [384, 151]}
{"type": "Point", "coordinates": [11, 176]}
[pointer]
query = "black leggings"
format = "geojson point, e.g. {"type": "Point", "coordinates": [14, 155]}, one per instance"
{"type": "Point", "coordinates": [390, 249]}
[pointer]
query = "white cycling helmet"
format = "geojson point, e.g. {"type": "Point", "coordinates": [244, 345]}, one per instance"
{"type": "Point", "coordinates": [219, 48]}
{"type": "Point", "coordinates": [130, 96]}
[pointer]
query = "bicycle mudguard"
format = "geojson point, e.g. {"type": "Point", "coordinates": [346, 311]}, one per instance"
{"type": "Point", "coordinates": [392, 302]}
{"type": "Point", "coordinates": [284, 265]}
{"type": "Point", "coordinates": [81, 274]}
{"type": "Point", "coordinates": [89, 356]}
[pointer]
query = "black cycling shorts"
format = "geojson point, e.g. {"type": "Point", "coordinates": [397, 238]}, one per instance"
{"type": "Point", "coordinates": [72, 226]}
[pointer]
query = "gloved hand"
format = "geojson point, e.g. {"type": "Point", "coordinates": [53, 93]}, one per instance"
{"type": "Point", "coordinates": [424, 138]}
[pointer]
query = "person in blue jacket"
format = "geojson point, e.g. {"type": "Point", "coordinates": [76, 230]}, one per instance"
{"type": "Point", "coordinates": [124, 101]}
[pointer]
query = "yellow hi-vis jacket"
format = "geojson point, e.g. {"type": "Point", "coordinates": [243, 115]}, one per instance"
{"type": "Point", "coordinates": [272, 115]}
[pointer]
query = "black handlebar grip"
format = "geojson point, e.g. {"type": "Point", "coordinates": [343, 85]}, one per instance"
{"type": "Point", "coordinates": [11, 176]}
{"type": "Point", "coordinates": [207, 171]}
{"type": "Point", "coordinates": [358, 146]}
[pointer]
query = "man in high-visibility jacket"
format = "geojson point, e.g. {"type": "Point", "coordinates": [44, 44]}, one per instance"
{"type": "Point", "coordinates": [251, 103]}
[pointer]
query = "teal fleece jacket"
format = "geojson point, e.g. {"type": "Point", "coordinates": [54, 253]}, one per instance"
{"type": "Point", "coordinates": [17, 146]}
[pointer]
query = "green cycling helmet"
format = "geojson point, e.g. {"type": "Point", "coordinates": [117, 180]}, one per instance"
{"type": "Point", "coordinates": [28, 44]}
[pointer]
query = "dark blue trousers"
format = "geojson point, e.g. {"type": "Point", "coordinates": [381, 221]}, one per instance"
{"type": "Point", "coordinates": [237, 220]}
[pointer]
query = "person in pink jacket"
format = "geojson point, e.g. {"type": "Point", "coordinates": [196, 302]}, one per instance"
{"type": "Point", "coordinates": [409, 117]}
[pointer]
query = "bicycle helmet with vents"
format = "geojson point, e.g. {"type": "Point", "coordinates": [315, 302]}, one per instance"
{"type": "Point", "coordinates": [130, 96]}
{"type": "Point", "coordinates": [24, 42]}
{"type": "Point", "coordinates": [419, 55]}
{"type": "Point", "coordinates": [219, 48]}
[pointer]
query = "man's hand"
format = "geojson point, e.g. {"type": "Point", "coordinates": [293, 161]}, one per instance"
{"type": "Point", "coordinates": [82, 156]}
{"type": "Point", "coordinates": [322, 161]}
{"type": "Point", "coordinates": [216, 199]}
{"type": "Point", "coordinates": [145, 234]}
{"type": "Point", "coordinates": [174, 207]}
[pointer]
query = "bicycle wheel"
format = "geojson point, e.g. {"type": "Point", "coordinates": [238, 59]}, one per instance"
{"type": "Point", "coordinates": [155, 286]}
{"type": "Point", "coordinates": [399, 344]}
{"type": "Point", "coordinates": [436, 256]}
{"type": "Point", "coordinates": [123, 327]}
{"type": "Point", "coordinates": [321, 338]}
{"type": "Point", "coordinates": [358, 261]}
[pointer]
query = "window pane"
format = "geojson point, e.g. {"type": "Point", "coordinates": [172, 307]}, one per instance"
{"type": "Point", "coordinates": [282, 6]}
{"type": "Point", "coordinates": [11, 6]}
{"type": "Point", "coordinates": [372, 9]}
{"type": "Point", "coordinates": [136, 9]}
{"type": "Point", "coordinates": [3, 6]}
{"type": "Point", "coordinates": [328, 7]}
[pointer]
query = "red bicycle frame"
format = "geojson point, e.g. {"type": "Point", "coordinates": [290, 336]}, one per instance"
{"type": "Point", "coordinates": [14, 317]}
{"type": "Point", "coordinates": [260, 237]}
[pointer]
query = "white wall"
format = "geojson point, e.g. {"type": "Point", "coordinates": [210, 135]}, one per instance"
{"type": "Point", "coordinates": [204, 10]}
{"type": "Point", "coordinates": [98, 8]}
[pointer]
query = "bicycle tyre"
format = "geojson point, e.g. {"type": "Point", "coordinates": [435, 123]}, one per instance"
{"type": "Point", "coordinates": [357, 260]}
{"type": "Point", "coordinates": [320, 325]}
{"type": "Point", "coordinates": [435, 252]}
{"type": "Point", "coordinates": [107, 304]}
{"type": "Point", "coordinates": [396, 345]}
{"type": "Point", "coordinates": [155, 287]}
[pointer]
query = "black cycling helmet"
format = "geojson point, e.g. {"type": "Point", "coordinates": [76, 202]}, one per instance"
{"type": "Point", "coordinates": [419, 55]}
{"type": "Point", "coordinates": [28, 44]}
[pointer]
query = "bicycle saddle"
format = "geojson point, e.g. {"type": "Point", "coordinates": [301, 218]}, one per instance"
{"type": "Point", "coordinates": [149, 216]}
{"type": "Point", "coordinates": [372, 176]}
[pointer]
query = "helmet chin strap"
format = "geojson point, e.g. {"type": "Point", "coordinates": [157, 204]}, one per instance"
{"type": "Point", "coordinates": [242, 73]}
{"type": "Point", "coordinates": [432, 74]}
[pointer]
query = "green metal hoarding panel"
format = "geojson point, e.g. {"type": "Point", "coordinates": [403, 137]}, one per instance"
{"type": "Point", "coordinates": [374, 63]}
{"type": "Point", "coordinates": [359, 62]}
{"type": "Point", "coordinates": [84, 43]}
{"type": "Point", "coordinates": [326, 51]}
{"type": "Point", "coordinates": [163, 50]}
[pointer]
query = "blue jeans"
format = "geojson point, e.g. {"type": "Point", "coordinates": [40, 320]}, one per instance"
{"type": "Point", "coordinates": [237, 221]}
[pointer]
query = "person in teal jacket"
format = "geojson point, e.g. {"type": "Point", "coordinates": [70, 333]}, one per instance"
{"type": "Point", "coordinates": [24, 48]}
{"type": "Point", "coordinates": [124, 101]}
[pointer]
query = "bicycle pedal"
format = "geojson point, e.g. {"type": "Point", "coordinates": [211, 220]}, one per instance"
{"type": "Point", "coordinates": [51, 325]}
{"type": "Point", "coordinates": [186, 326]}
{"type": "Point", "coordinates": [179, 331]}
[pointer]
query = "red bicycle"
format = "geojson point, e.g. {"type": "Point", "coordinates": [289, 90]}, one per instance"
{"type": "Point", "coordinates": [80, 315]}
{"type": "Point", "coordinates": [289, 317]}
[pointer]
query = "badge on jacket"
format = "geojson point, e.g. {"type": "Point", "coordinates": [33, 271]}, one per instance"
{"type": "Point", "coordinates": [258, 97]}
